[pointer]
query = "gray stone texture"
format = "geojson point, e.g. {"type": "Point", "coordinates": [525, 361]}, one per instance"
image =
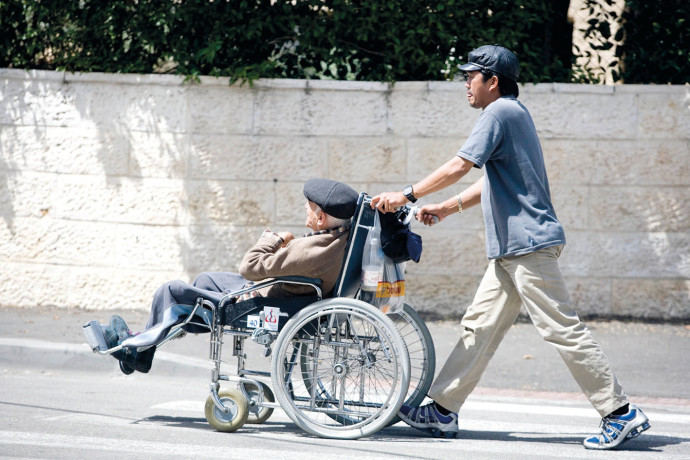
{"type": "Point", "coordinates": [113, 184]}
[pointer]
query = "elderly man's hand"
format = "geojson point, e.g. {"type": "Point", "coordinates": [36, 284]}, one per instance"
{"type": "Point", "coordinates": [287, 237]}
{"type": "Point", "coordinates": [388, 201]}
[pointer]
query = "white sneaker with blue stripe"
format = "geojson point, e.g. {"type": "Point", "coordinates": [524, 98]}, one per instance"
{"type": "Point", "coordinates": [616, 429]}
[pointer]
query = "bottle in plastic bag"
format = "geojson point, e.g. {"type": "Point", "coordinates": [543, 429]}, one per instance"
{"type": "Point", "coordinates": [372, 268]}
{"type": "Point", "coordinates": [393, 292]}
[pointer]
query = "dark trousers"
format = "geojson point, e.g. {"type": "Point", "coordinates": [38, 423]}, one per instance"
{"type": "Point", "coordinates": [209, 285]}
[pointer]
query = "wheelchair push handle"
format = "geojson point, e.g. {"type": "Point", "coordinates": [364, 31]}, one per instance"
{"type": "Point", "coordinates": [406, 213]}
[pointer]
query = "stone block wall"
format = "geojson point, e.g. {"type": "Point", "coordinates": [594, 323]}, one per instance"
{"type": "Point", "coordinates": [113, 184]}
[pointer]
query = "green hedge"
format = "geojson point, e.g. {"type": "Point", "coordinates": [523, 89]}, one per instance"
{"type": "Point", "coordinates": [656, 47]}
{"type": "Point", "coordinates": [375, 40]}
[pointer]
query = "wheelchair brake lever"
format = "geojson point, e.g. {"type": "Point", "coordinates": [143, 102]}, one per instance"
{"type": "Point", "coordinates": [265, 338]}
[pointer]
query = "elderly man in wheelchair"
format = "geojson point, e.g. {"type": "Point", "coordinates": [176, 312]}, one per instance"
{"type": "Point", "coordinates": [340, 367]}
{"type": "Point", "coordinates": [329, 208]}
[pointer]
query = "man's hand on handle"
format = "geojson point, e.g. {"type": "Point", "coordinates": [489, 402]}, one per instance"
{"type": "Point", "coordinates": [388, 201]}
{"type": "Point", "coordinates": [431, 214]}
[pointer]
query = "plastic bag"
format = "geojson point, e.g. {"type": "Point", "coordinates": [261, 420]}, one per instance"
{"type": "Point", "coordinates": [383, 281]}
{"type": "Point", "coordinates": [390, 293]}
{"type": "Point", "coordinates": [372, 262]}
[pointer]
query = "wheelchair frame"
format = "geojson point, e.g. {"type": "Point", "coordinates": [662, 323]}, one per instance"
{"type": "Point", "coordinates": [341, 369]}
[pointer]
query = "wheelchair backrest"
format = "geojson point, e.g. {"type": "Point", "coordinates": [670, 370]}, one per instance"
{"type": "Point", "coordinates": [351, 270]}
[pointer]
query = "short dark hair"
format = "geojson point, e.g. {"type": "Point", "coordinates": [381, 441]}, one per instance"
{"type": "Point", "coordinates": [506, 86]}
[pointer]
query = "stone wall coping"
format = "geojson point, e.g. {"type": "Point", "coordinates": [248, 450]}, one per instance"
{"type": "Point", "coordinates": [328, 85]}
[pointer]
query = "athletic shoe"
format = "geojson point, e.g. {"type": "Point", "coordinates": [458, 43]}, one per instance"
{"type": "Point", "coordinates": [428, 418]}
{"type": "Point", "coordinates": [134, 360]}
{"type": "Point", "coordinates": [110, 336]}
{"type": "Point", "coordinates": [616, 429]}
{"type": "Point", "coordinates": [120, 327]}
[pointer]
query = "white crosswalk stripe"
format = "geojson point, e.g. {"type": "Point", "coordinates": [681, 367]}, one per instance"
{"type": "Point", "coordinates": [560, 411]}
{"type": "Point", "coordinates": [136, 447]}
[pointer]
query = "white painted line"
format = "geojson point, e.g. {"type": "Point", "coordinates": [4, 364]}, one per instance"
{"type": "Point", "coordinates": [563, 411]}
{"type": "Point", "coordinates": [182, 406]}
{"type": "Point", "coordinates": [136, 448]}
{"type": "Point", "coordinates": [45, 345]}
{"type": "Point", "coordinates": [482, 406]}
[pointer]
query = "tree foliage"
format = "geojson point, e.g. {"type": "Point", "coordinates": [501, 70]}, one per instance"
{"type": "Point", "coordinates": [375, 40]}
{"type": "Point", "coordinates": [656, 44]}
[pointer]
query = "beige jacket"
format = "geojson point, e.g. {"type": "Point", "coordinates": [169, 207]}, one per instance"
{"type": "Point", "coordinates": [316, 256]}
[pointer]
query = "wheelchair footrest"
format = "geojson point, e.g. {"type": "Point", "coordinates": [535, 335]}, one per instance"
{"type": "Point", "coordinates": [94, 336]}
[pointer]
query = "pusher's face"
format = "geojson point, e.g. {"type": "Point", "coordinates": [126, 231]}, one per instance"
{"type": "Point", "coordinates": [481, 93]}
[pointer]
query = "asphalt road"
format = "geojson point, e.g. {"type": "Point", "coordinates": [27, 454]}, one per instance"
{"type": "Point", "coordinates": [59, 400]}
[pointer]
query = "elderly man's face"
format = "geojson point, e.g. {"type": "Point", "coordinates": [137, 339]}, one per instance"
{"type": "Point", "coordinates": [313, 215]}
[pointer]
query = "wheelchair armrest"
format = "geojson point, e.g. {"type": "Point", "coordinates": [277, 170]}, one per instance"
{"type": "Point", "coordinates": [299, 280]}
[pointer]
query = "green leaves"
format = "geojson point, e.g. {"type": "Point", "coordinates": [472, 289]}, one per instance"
{"type": "Point", "coordinates": [373, 40]}
{"type": "Point", "coordinates": [657, 42]}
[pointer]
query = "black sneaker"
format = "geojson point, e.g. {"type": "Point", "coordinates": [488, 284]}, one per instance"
{"type": "Point", "coordinates": [120, 327]}
{"type": "Point", "coordinates": [110, 336]}
{"type": "Point", "coordinates": [133, 360]}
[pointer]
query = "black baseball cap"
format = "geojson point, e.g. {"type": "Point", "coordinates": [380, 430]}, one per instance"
{"type": "Point", "coordinates": [494, 58]}
{"type": "Point", "coordinates": [334, 198]}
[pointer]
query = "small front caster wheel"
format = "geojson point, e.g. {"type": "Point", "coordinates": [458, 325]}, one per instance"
{"type": "Point", "coordinates": [237, 413]}
{"type": "Point", "coordinates": [258, 414]}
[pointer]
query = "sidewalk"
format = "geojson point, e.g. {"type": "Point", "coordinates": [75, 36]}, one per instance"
{"type": "Point", "coordinates": [652, 361]}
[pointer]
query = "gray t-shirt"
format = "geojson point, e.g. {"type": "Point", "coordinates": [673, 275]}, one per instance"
{"type": "Point", "coordinates": [516, 200]}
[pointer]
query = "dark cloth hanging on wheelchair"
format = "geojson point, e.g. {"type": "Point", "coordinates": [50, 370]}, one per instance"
{"type": "Point", "coordinates": [397, 240]}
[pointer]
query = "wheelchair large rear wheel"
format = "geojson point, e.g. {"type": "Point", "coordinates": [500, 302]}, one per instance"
{"type": "Point", "coordinates": [340, 369]}
{"type": "Point", "coordinates": [420, 347]}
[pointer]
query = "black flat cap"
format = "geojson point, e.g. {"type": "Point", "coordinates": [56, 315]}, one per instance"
{"type": "Point", "coordinates": [494, 58]}
{"type": "Point", "coordinates": [334, 198]}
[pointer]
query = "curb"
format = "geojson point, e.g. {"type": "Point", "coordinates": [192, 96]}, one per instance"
{"type": "Point", "coordinates": [42, 354]}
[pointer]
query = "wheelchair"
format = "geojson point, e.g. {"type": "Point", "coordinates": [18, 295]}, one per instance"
{"type": "Point", "coordinates": [340, 368]}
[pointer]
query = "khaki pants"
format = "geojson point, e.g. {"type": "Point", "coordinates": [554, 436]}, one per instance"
{"type": "Point", "coordinates": [533, 280]}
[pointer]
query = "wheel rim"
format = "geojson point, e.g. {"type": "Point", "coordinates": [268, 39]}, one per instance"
{"type": "Point", "coordinates": [340, 371]}
{"type": "Point", "coordinates": [231, 419]}
{"type": "Point", "coordinates": [229, 416]}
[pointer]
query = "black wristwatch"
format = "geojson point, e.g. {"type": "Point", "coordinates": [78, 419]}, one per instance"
{"type": "Point", "coordinates": [407, 191]}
